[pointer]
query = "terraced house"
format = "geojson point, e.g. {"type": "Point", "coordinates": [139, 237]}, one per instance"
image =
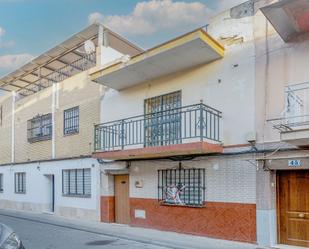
{"type": "Point", "coordinates": [203, 134]}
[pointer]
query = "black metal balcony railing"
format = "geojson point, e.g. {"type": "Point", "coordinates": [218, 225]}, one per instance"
{"type": "Point", "coordinates": [174, 126]}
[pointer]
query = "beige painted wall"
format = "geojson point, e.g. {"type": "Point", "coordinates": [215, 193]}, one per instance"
{"type": "Point", "coordinates": [75, 91]}
{"type": "Point", "coordinates": [5, 128]}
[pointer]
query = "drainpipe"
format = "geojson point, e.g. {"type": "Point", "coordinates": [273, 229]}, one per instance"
{"type": "Point", "coordinates": [54, 89]}
{"type": "Point", "coordinates": [13, 128]}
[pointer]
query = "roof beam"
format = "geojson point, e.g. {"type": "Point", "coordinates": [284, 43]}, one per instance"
{"type": "Point", "coordinates": [52, 59]}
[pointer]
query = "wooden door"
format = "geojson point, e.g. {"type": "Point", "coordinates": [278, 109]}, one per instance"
{"type": "Point", "coordinates": [122, 201]}
{"type": "Point", "coordinates": [293, 207]}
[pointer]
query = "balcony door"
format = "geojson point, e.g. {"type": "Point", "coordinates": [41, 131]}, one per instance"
{"type": "Point", "coordinates": [163, 120]}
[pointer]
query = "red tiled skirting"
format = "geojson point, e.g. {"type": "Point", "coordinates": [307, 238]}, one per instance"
{"type": "Point", "coordinates": [231, 221]}
{"type": "Point", "coordinates": [108, 209]}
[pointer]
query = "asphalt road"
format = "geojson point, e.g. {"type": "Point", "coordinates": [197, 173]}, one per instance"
{"type": "Point", "coordinates": [37, 235]}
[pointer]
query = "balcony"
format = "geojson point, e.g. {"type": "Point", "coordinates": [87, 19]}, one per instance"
{"type": "Point", "coordinates": [290, 18]}
{"type": "Point", "coordinates": [293, 125]}
{"type": "Point", "coordinates": [187, 130]}
{"type": "Point", "coordinates": [187, 51]}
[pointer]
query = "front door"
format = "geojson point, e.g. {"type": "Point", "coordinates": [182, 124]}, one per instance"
{"type": "Point", "coordinates": [293, 207]}
{"type": "Point", "coordinates": [50, 181]}
{"type": "Point", "coordinates": [122, 201]}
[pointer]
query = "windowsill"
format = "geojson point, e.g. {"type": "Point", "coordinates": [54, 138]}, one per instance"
{"type": "Point", "coordinates": [77, 196]}
{"type": "Point", "coordinates": [20, 193]}
{"type": "Point", "coordinates": [70, 134]}
{"type": "Point", "coordinates": [36, 140]}
{"type": "Point", "coordinates": [178, 205]}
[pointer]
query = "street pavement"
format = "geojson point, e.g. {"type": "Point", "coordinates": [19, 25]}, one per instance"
{"type": "Point", "coordinates": [47, 231]}
{"type": "Point", "coordinates": [42, 235]}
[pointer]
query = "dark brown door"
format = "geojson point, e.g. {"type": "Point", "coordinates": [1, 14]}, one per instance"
{"type": "Point", "coordinates": [122, 201]}
{"type": "Point", "coordinates": [293, 207]}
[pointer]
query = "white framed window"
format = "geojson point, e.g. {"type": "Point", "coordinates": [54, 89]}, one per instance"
{"type": "Point", "coordinates": [20, 183]}
{"type": "Point", "coordinates": [76, 182]}
{"type": "Point", "coordinates": [1, 183]}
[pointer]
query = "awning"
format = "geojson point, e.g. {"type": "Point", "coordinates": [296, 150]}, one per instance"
{"type": "Point", "coordinates": [63, 61]}
{"type": "Point", "coordinates": [290, 18]}
{"type": "Point", "coordinates": [184, 52]}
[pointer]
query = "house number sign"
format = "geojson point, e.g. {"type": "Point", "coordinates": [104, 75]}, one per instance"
{"type": "Point", "coordinates": [294, 163]}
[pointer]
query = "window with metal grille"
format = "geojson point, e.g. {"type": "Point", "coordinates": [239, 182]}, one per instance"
{"type": "Point", "coordinates": [76, 182]}
{"type": "Point", "coordinates": [20, 183]}
{"type": "Point", "coordinates": [40, 128]}
{"type": "Point", "coordinates": [1, 183]}
{"type": "Point", "coordinates": [71, 121]}
{"type": "Point", "coordinates": [163, 119]}
{"type": "Point", "coordinates": [182, 186]}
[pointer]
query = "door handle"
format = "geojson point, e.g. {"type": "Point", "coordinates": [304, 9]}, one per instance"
{"type": "Point", "coordinates": [301, 215]}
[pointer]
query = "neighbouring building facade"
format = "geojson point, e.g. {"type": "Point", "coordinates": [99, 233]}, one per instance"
{"type": "Point", "coordinates": [204, 134]}
{"type": "Point", "coordinates": [46, 127]}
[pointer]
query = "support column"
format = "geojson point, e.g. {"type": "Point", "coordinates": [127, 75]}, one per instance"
{"type": "Point", "coordinates": [266, 220]}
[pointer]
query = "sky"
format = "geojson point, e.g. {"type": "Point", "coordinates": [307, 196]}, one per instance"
{"type": "Point", "coordinates": [28, 28]}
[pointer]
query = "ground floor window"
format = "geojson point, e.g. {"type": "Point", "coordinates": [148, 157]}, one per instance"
{"type": "Point", "coordinates": [1, 183]}
{"type": "Point", "coordinates": [76, 182]}
{"type": "Point", "coordinates": [182, 186]}
{"type": "Point", "coordinates": [20, 183]}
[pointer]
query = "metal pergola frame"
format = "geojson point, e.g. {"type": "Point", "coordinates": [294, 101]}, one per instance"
{"type": "Point", "coordinates": [63, 61]}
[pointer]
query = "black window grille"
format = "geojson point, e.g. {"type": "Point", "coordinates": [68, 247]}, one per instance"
{"type": "Point", "coordinates": [182, 186]}
{"type": "Point", "coordinates": [20, 183]}
{"type": "Point", "coordinates": [76, 182]}
{"type": "Point", "coordinates": [71, 121]}
{"type": "Point", "coordinates": [40, 128]}
{"type": "Point", "coordinates": [1, 183]}
{"type": "Point", "coordinates": [163, 119]}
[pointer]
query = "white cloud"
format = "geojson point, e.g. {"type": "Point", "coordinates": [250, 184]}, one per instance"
{"type": "Point", "coordinates": [149, 17]}
{"type": "Point", "coordinates": [95, 17]}
{"type": "Point", "coordinates": [5, 44]}
{"type": "Point", "coordinates": [2, 31]}
{"type": "Point", "coordinates": [13, 61]}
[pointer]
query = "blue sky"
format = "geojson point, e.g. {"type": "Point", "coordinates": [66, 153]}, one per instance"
{"type": "Point", "coordinates": [30, 27]}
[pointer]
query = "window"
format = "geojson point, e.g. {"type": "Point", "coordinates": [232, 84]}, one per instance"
{"type": "Point", "coordinates": [1, 183]}
{"type": "Point", "coordinates": [71, 121]}
{"type": "Point", "coordinates": [40, 128]}
{"type": "Point", "coordinates": [76, 182]}
{"type": "Point", "coordinates": [163, 119]}
{"type": "Point", "coordinates": [182, 186]}
{"type": "Point", "coordinates": [20, 183]}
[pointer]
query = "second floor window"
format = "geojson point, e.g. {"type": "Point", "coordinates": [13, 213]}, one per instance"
{"type": "Point", "coordinates": [1, 183]}
{"type": "Point", "coordinates": [76, 182]}
{"type": "Point", "coordinates": [71, 121]}
{"type": "Point", "coordinates": [20, 183]}
{"type": "Point", "coordinates": [40, 128]}
{"type": "Point", "coordinates": [163, 119]}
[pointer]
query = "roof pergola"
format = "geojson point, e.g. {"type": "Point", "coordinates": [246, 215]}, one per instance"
{"type": "Point", "coordinates": [63, 61]}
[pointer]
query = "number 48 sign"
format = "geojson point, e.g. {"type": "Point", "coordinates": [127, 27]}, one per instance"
{"type": "Point", "coordinates": [294, 163]}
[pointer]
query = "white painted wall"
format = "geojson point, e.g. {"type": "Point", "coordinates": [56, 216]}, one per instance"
{"type": "Point", "coordinates": [37, 197]}
{"type": "Point", "coordinates": [228, 179]}
{"type": "Point", "coordinates": [278, 64]}
{"type": "Point", "coordinates": [226, 84]}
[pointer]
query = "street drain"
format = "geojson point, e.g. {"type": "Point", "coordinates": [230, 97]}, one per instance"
{"type": "Point", "coordinates": [100, 242]}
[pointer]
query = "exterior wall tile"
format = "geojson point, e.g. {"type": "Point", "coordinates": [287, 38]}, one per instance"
{"type": "Point", "coordinates": [232, 221]}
